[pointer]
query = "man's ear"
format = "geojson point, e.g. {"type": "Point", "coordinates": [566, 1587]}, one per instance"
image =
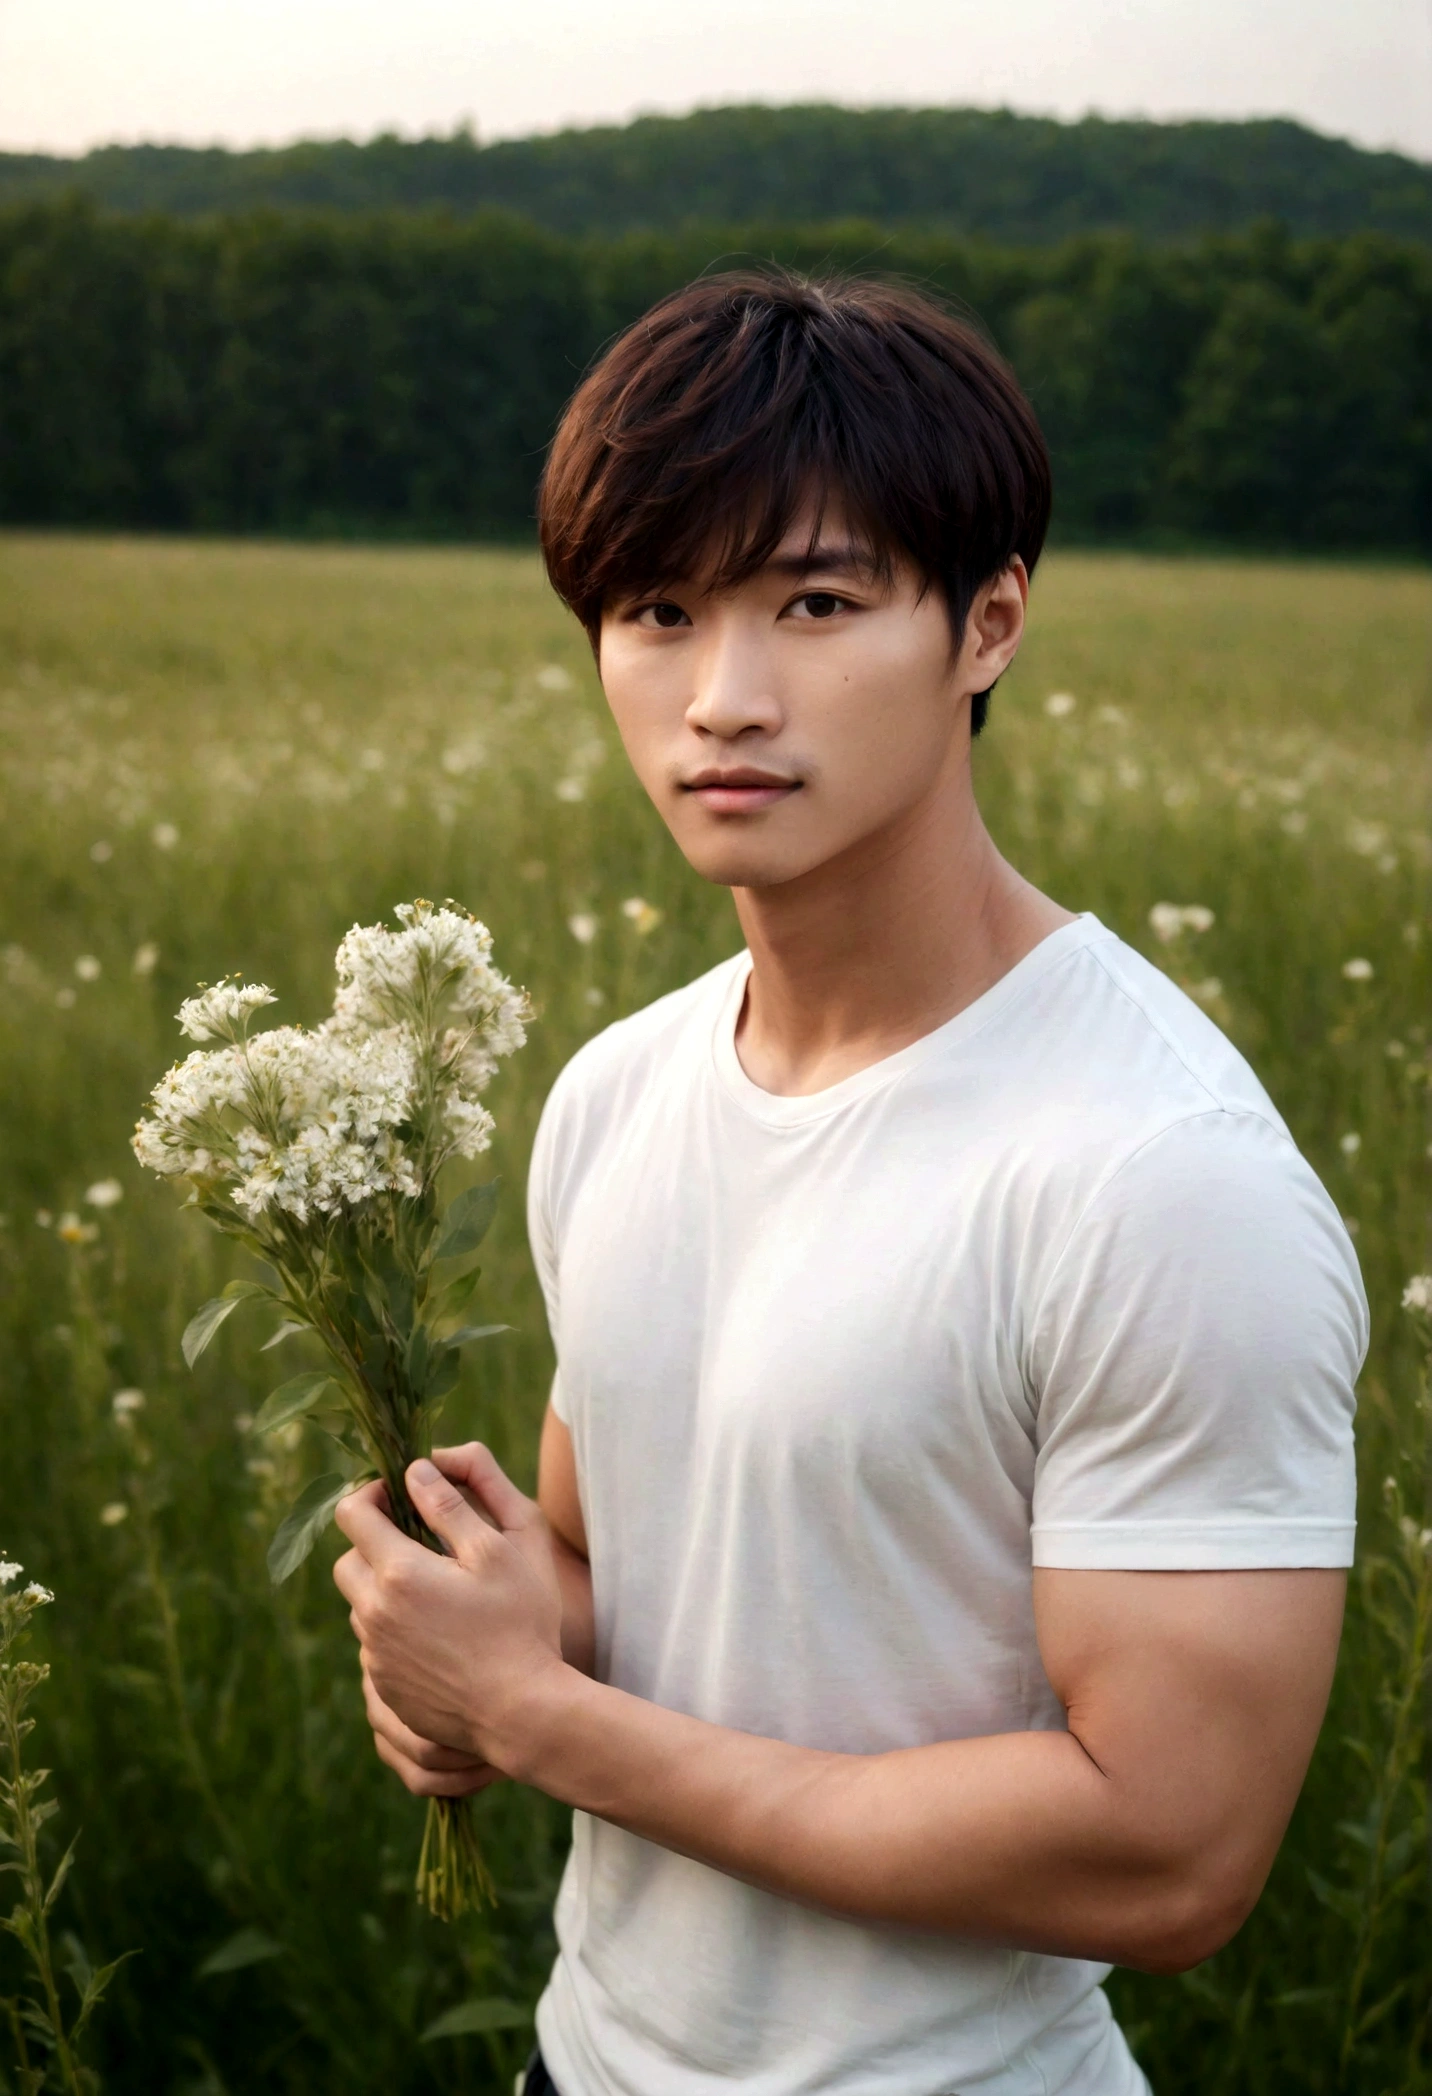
{"type": "Point", "coordinates": [995, 625]}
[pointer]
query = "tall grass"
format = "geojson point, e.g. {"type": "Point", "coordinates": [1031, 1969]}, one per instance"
{"type": "Point", "coordinates": [220, 757]}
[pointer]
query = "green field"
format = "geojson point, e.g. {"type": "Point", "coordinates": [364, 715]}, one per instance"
{"type": "Point", "coordinates": [218, 757]}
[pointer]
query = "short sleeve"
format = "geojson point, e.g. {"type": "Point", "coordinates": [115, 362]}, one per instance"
{"type": "Point", "coordinates": [1193, 1360]}
{"type": "Point", "coordinates": [541, 1233]}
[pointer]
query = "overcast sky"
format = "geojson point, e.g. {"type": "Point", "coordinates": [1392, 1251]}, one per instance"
{"type": "Point", "coordinates": [75, 73]}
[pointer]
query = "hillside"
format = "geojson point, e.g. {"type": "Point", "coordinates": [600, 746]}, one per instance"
{"type": "Point", "coordinates": [1018, 179]}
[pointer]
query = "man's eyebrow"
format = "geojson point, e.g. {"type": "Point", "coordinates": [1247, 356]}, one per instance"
{"type": "Point", "coordinates": [844, 557]}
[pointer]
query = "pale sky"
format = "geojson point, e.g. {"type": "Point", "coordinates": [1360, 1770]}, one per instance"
{"type": "Point", "coordinates": [75, 73]}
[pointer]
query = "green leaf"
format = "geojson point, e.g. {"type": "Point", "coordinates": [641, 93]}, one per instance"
{"type": "Point", "coordinates": [205, 1323]}
{"type": "Point", "coordinates": [285, 1331]}
{"type": "Point", "coordinates": [303, 1524]}
{"type": "Point", "coordinates": [471, 2017]}
{"type": "Point", "coordinates": [467, 1222]}
{"type": "Point", "coordinates": [451, 1300]}
{"type": "Point", "coordinates": [415, 1359]}
{"type": "Point", "coordinates": [291, 1399]}
{"type": "Point", "coordinates": [466, 1332]}
{"type": "Point", "coordinates": [248, 1947]}
{"type": "Point", "coordinates": [62, 1871]}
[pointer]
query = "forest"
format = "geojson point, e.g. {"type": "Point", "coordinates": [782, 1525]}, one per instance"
{"type": "Point", "coordinates": [399, 373]}
{"type": "Point", "coordinates": [1021, 180]}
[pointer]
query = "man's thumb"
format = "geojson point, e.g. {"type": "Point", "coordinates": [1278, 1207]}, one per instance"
{"type": "Point", "coordinates": [444, 1509]}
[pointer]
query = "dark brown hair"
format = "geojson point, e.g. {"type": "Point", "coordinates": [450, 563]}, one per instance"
{"type": "Point", "coordinates": [703, 429]}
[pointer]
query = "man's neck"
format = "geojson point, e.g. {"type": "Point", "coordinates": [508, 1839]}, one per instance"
{"type": "Point", "coordinates": [873, 950]}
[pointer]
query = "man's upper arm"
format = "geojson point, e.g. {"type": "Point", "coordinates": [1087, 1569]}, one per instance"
{"type": "Point", "coordinates": [1198, 1696]}
{"type": "Point", "coordinates": [557, 1493]}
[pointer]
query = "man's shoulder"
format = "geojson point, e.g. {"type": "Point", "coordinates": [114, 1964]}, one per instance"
{"type": "Point", "coordinates": [625, 1053]}
{"type": "Point", "coordinates": [1133, 1049]}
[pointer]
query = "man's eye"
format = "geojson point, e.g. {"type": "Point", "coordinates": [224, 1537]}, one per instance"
{"type": "Point", "coordinates": [820, 604]}
{"type": "Point", "coordinates": [665, 615]}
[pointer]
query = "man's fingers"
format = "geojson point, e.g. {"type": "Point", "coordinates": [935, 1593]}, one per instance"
{"type": "Point", "coordinates": [476, 1467]}
{"type": "Point", "coordinates": [433, 1783]}
{"type": "Point", "coordinates": [425, 1752]}
{"type": "Point", "coordinates": [362, 1516]}
{"type": "Point", "coordinates": [353, 1577]}
{"type": "Point", "coordinates": [448, 1512]}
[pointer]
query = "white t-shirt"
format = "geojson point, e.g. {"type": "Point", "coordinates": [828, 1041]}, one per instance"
{"type": "Point", "coordinates": [1052, 1286]}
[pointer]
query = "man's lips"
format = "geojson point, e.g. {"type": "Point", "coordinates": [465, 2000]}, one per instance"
{"type": "Point", "coordinates": [739, 791]}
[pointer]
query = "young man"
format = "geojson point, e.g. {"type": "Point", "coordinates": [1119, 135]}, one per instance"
{"type": "Point", "coordinates": [935, 1581]}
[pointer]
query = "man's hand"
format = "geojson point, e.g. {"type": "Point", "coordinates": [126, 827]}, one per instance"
{"type": "Point", "coordinates": [454, 1648]}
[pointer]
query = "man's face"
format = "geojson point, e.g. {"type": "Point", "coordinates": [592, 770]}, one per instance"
{"type": "Point", "coordinates": [803, 713]}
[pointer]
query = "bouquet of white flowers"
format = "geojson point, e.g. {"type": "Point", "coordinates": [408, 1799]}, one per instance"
{"type": "Point", "coordinates": [320, 1151]}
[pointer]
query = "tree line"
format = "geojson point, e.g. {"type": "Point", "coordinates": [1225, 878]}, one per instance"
{"type": "Point", "coordinates": [403, 372]}
{"type": "Point", "coordinates": [1018, 180]}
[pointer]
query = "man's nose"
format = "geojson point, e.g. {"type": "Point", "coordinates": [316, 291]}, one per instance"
{"type": "Point", "coordinates": [735, 690]}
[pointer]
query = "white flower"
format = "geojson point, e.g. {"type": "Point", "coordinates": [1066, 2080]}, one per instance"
{"type": "Point", "coordinates": [88, 968]}
{"type": "Point", "coordinates": [223, 1013]}
{"type": "Point", "coordinates": [105, 1193]}
{"type": "Point", "coordinates": [1170, 919]}
{"type": "Point", "coordinates": [644, 916]}
{"type": "Point", "coordinates": [1358, 970]}
{"type": "Point", "coordinates": [125, 1403]}
{"type": "Point", "coordinates": [165, 836]}
{"type": "Point", "coordinates": [37, 1595]}
{"type": "Point", "coordinates": [9, 1570]}
{"type": "Point", "coordinates": [73, 1231]}
{"type": "Point", "coordinates": [1366, 838]}
{"type": "Point", "coordinates": [436, 976]}
{"type": "Point", "coordinates": [146, 959]}
{"type": "Point", "coordinates": [110, 1516]}
{"type": "Point", "coordinates": [1060, 704]}
{"type": "Point", "coordinates": [552, 677]}
{"type": "Point", "coordinates": [570, 789]}
{"type": "Point", "coordinates": [583, 927]}
{"type": "Point", "coordinates": [1417, 1295]}
{"type": "Point", "coordinates": [1350, 1143]}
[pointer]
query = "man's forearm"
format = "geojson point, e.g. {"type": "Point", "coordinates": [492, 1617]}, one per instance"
{"type": "Point", "coordinates": [1017, 1839]}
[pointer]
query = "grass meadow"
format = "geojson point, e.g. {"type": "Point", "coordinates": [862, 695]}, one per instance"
{"type": "Point", "coordinates": [219, 756]}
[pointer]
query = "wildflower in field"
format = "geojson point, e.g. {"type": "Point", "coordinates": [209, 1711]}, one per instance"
{"type": "Point", "coordinates": [552, 677]}
{"type": "Point", "coordinates": [643, 916]}
{"type": "Point", "coordinates": [1358, 970]}
{"type": "Point", "coordinates": [111, 1515]}
{"type": "Point", "coordinates": [1060, 704]}
{"type": "Point", "coordinates": [1169, 920]}
{"type": "Point", "coordinates": [1350, 1143]}
{"type": "Point", "coordinates": [164, 835]}
{"type": "Point", "coordinates": [42, 2026]}
{"type": "Point", "coordinates": [72, 1231]}
{"type": "Point", "coordinates": [105, 1193]}
{"type": "Point", "coordinates": [65, 998]}
{"type": "Point", "coordinates": [321, 1150]}
{"type": "Point", "coordinates": [125, 1403]}
{"type": "Point", "coordinates": [101, 851]}
{"type": "Point", "coordinates": [571, 789]}
{"type": "Point", "coordinates": [9, 1570]}
{"type": "Point", "coordinates": [583, 927]}
{"type": "Point", "coordinates": [1417, 1295]}
{"type": "Point", "coordinates": [146, 959]}
{"type": "Point", "coordinates": [88, 968]}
